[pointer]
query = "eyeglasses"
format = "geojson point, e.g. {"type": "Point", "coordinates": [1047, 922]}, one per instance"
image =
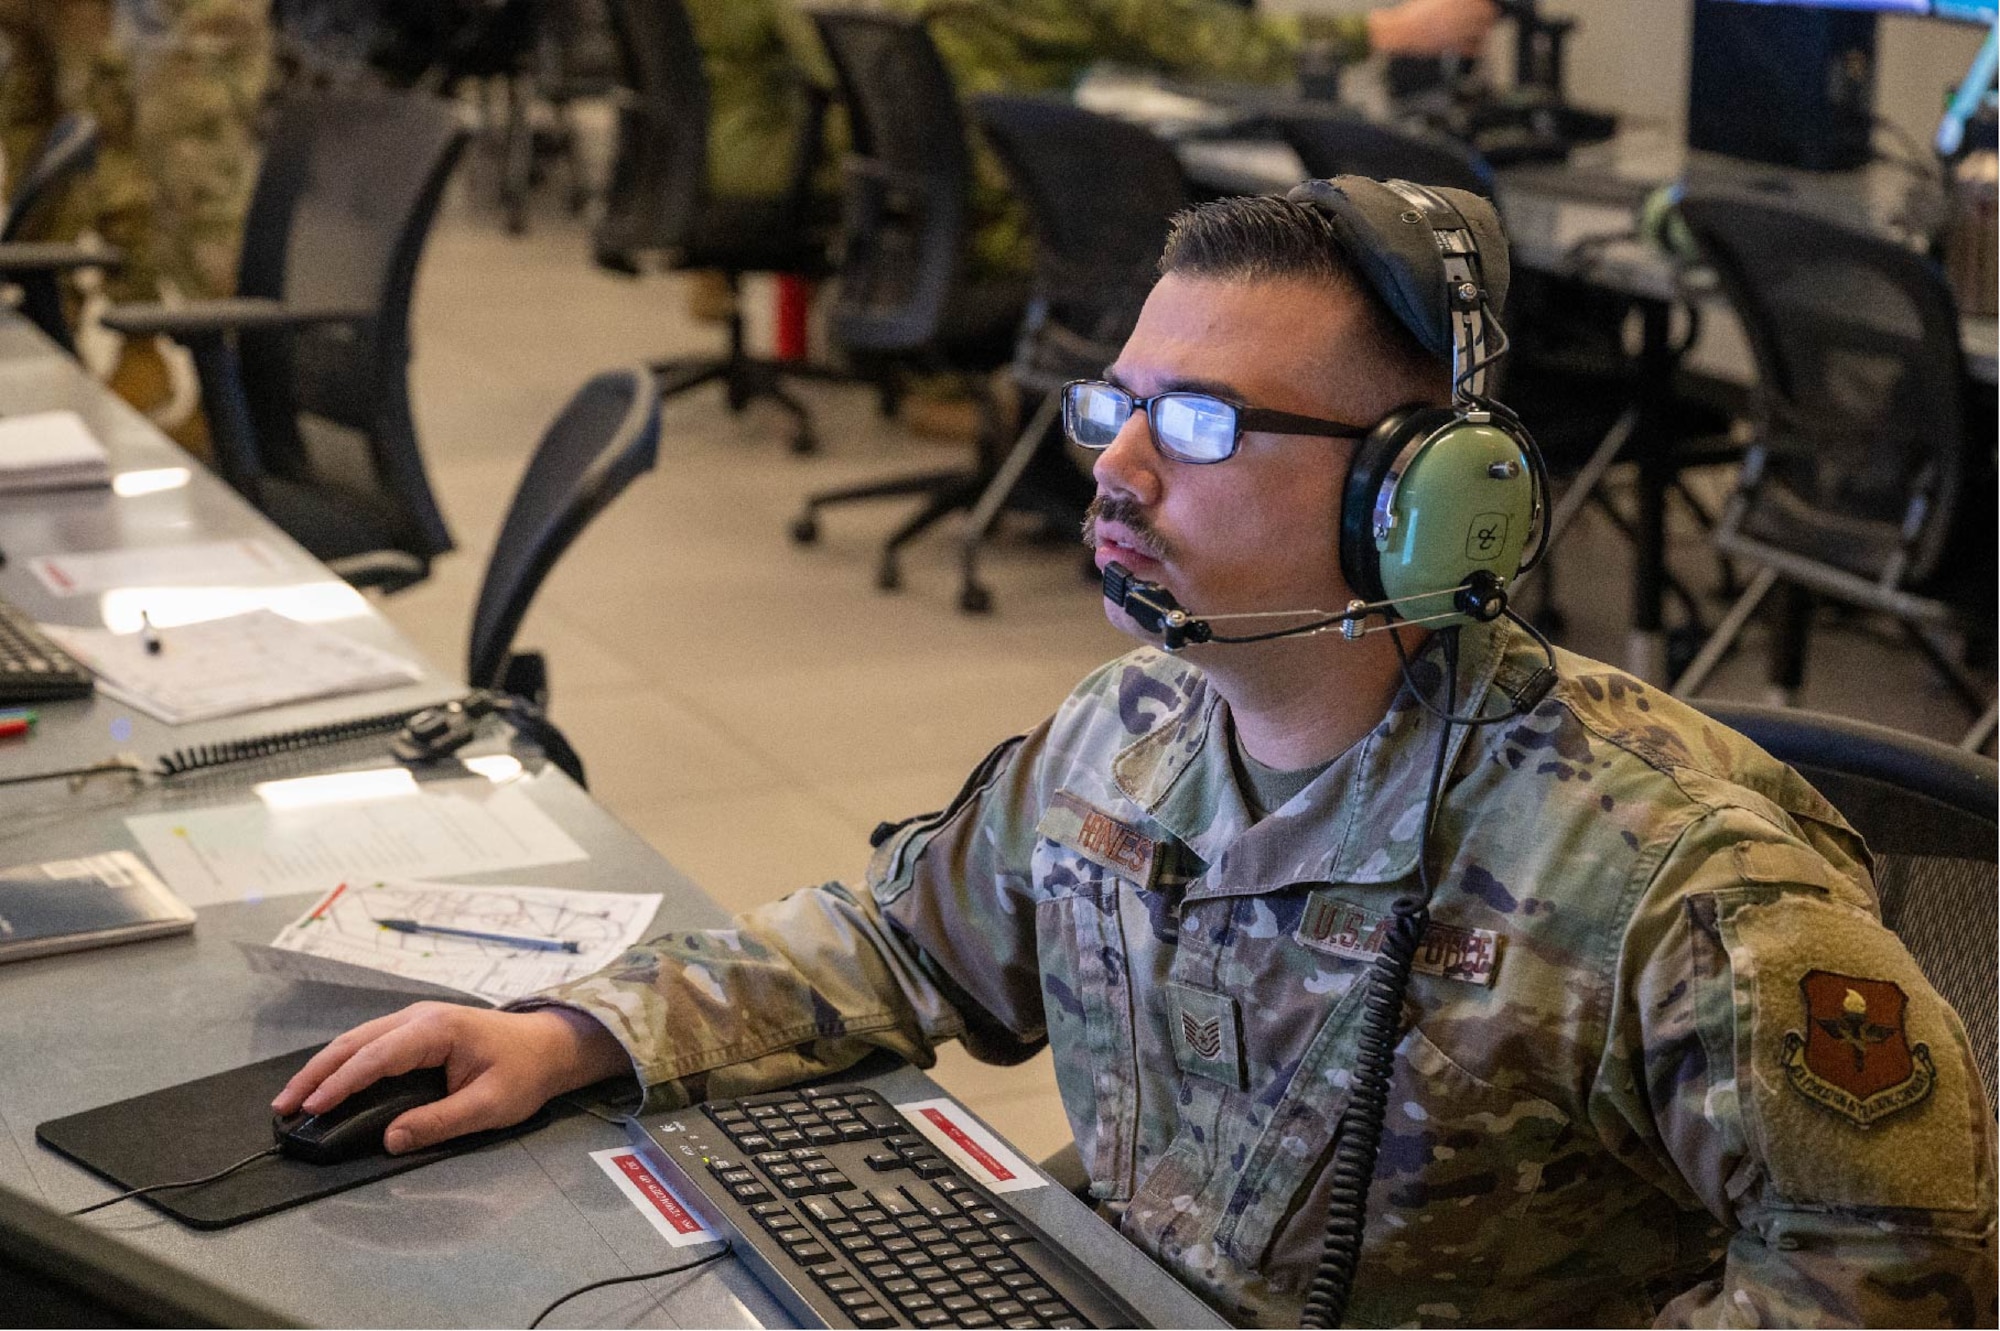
{"type": "Point", "coordinates": [1198, 428]}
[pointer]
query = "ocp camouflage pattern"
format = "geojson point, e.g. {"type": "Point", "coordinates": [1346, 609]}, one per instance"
{"type": "Point", "coordinates": [1594, 1129]}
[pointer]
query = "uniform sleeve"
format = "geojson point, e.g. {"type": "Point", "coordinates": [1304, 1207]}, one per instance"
{"type": "Point", "coordinates": [814, 982]}
{"type": "Point", "coordinates": [1777, 1058]}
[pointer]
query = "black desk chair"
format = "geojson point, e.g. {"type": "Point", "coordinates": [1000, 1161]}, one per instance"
{"type": "Point", "coordinates": [1334, 142]}
{"type": "Point", "coordinates": [305, 373]}
{"type": "Point", "coordinates": [1928, 813]}
{"type": "Point", "coordinates": [37, 267]}
{"type": "Point", "coordinates": [660, 199]}
{"type": "Point", "coordinates": [1098, 193]}
{"type": "Point", "coordinates": [603, 440]}
{"type": "Point", "coordinates": [1862, 473]}
{"type": "Point", "coordinates": [904, 298]}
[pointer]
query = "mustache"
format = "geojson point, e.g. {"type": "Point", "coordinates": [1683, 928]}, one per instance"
{"type": "Point", "coordinates": [1128, 514]}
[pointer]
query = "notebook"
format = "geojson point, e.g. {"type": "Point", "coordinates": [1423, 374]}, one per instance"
{"type": "Point", "coordinates": [50, 450]}
{"type": "Point", "coordinates": [68, 905]}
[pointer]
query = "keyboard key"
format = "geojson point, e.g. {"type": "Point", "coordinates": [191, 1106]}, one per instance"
{"type": "Point", "coordinates": [927, 1273]}
{"type": "Point", "coordinates": [897, 1246]}
{"type": "Point", "coordinates": [772, 1214]}
{"type": "Point", "coordinates": [882, 1271]}
{"type": "Point", "coordinates": [882, 1161]}
{"type": "Point", "coordinates": [844, 1229]}
{"type": "Point", "coordinates": [978, 1317]}
{"type": "Point", "coordinates": [898, 1286]}
{"type": "Point", "coordinates": [872, 1315]}
{"type": "Point", "coordinates": [837, 1114]}
{"type": "Point", "coordinates": [750, 1192]}
{"type": "Point", "coordinates": [751, 1141]}
{"type": "Point", "coordinates": [822, 1134]}
{"type": "Point", "coordinates": [868, 1255]}
{"type": "Point", "coordinates": [1009, 1234]}
{"type": "Point", "coordinates": [905, 1141]}
{"type": "Point", "coordinates": [797, 1187]}
{"type": "Point", "coordinates": [840, 1284]}
{"type": "Point", "coordinates": [792, 1108]}
{"type": "Point", "coordinates": [784, 1169]}
{"type": "Point", "coordinates": [932, 1168]}
{"type": "Point", "coordinates": [930, 1236]}
{"type": "Point", "coordinates": [893, 1203]}
{"type": "Point", "coordinates": [1019, 1280]}
{"type": "Point", "coordinates": [826, 1210]}
{"type": "Point", "coordinates": [958, 1224]}
{"type": "Point", "coordinates": [960, 1304]}
{"type": "Point", "coordinates": [791, 1234]}
{"type": "Point", "coordinates": [931, 1317]}
{"type": "Point", "coordinates": [731, 1177]}
{"type": "Point", "coordinates": [788, 1137]}
{"type": "Point", "coordinates": [1006, 1265]}
{"type": "Point", "coordinates": [853, 1132]}
{"type": "Point", "coordinates": [988, 1293]}
{"type": "Point", "coordinates": [1006, 1309]}
{"type": "Point", "coordinates": [987, 1216]}
{"type": "Point", "coordinates": [1037, 1294]}
{"type": "Point", "coordinates": [881, 1118]}
{"type": "Point", "coordinates": [987, 1252]}
{"type": "Point", "coordinates": [885, 1230]}
{"type": "Point", "coordinates": [960, 1266]}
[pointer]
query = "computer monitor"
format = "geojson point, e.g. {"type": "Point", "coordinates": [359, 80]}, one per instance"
{"type": "Point", "coordinates": [1968, 11]}
{"type": "Point", "coordinates": [58, 1271]}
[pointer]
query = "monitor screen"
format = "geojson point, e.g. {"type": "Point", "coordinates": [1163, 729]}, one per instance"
{"type": "Point", "coordinates": [1971, 11]}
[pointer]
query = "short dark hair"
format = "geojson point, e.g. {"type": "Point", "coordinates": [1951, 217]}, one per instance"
{"type": "Point", "coordinates": [1263, 237]}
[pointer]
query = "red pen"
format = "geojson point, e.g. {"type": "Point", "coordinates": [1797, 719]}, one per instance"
{"type": "Point", "coordinates": [11, 727]}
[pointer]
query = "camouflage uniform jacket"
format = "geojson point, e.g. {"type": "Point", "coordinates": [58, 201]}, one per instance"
{"type": "Point", "coordinates": [1616, 1101]}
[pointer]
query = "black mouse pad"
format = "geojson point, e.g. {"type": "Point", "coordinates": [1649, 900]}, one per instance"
{"type": "Point", "coordinates": [199, 1127]}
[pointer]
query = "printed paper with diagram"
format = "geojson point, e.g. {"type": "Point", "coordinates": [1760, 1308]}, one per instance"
{"type": "Point", "coordinates": [430, 947]}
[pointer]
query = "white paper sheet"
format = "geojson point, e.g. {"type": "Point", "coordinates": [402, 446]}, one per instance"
{"type": "Point", "coordinates": [50, 450]}
{"type": "Point", "coordinates": [341, 940]}
{"type": "Point", "coordinates": [222, 667]}
{"type": "Point", "coordinates": [246, 852]}
{"type": "Point", "coordinates": [204, 564]}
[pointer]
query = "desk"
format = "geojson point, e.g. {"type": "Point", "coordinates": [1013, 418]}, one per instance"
{"type": "Point", "coordinates": [1574, 219]}
{"type": "Point", "coordinates": [484, 1239]}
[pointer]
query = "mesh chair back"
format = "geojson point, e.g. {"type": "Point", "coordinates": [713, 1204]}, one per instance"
{"type": "Point", "coordinates": [1859, 389]}
{"type": "Point", "coordinates": [660, 175]}
{"type": "Point", "coordinates": [601, 441]}
{"type": "Point", "coordinates": [1931, 816]}
{"type": "Point", "coordinates": [1333, 143]}
{"type": "Point", "coordinates": [71, 148]}
{"type": "Point", "coordinates": [908, 182]}
{"type": "Point", "coordinates": [1099, 193]}
{"type": "Point", "coordinates": [344, 202]}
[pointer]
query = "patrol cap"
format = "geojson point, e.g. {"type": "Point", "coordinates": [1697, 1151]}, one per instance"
{"type": "Point", "coordinates": [1395, 247]}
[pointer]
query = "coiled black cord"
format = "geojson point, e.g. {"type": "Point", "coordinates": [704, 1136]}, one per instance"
{"type": "Point", "coordinates": [1367, 1112]}
{"type": "Point", "coordinates": [1360, 1139]}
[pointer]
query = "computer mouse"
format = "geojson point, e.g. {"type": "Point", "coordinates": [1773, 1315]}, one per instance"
{"type": "Point", "coordinates": [354, 1127]}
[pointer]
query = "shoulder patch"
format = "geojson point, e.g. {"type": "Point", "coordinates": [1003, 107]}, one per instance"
{"type": "Point", "coordinates": [1854, 1057]}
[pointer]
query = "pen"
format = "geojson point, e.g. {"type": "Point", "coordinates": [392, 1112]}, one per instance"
{"type": "Point", "coordinates": [511, 940]}
{"type": "Point", "coordinates": [13, 723]}
{"type": "Point", "coordinates": [149, 637]}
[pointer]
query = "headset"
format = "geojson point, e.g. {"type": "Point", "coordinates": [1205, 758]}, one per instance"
{"type": "Point", "coordinates": [1443, 506]}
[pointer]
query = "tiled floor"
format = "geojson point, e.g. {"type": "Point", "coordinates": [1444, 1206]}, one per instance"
{"type": "Point", "coordinates": [754, 708]}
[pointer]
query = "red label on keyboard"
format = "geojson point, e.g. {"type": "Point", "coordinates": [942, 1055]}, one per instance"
{"type": "Point", "coordinates": [965, 1143]}
{"type": "Point", "coordinates": [644, 1190]}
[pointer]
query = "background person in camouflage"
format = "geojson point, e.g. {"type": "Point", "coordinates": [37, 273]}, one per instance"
{"type": "Point", "coordinates": [175, 86]}
{"type": "Point", "coordinates": [201, 69]}
{"type": "Point", "coordinates": [1660, 1060]}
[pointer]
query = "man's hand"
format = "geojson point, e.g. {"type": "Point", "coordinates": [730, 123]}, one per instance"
{"type": "Point", "coordinates": [499, 1067]}
{"type": "Point", "coordinates": [1432, 27]}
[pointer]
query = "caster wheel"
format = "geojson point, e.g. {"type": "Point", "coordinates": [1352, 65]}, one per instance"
{"type": "Point", "coordinates": [888, 577]}
{"type": "Point", "coordinates": [975, 600]}
{"type": "Point", "coordinates": [805, 529]}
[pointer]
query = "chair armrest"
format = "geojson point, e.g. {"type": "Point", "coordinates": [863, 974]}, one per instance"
{"type": "Point", "coordinates": [20, 258]}
{"type": "Point", "coordinates": [211, 317]}
{"type": "Point", "coordinates": [384, 570]}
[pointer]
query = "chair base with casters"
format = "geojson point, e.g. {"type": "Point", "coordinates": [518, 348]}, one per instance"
{"type": "Point", "coordinates": [746, 378]}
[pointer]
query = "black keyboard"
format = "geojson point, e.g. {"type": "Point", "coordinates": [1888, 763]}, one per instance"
{"type": "Point", "coordinates": [31, 667]}
{"type": "Point", "coordinates": [850, 1217]}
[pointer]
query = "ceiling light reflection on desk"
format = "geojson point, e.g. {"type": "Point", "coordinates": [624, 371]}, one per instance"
{"type": "Point", "coordinates": [309, 602]}
{"type": "Point", "coordinates": [499, 768]}
{"type": "Point", "coordinates": [311, 792]}
{"type": "Point", "coordinates": [130, 484]}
